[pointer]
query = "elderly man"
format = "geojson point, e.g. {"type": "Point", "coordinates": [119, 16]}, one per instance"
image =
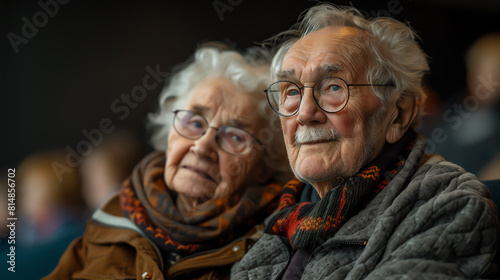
{"type": "Point", "coordinates": [348, 92]}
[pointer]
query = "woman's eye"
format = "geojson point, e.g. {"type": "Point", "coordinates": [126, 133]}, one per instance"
{"type": "Point", "coordinates": [237, 138]}
{"type": "Point", "coordinates": [197, 124]}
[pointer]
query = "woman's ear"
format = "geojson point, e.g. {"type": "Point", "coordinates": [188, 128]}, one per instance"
{"type": "Point", "coordinates": [407, 108]}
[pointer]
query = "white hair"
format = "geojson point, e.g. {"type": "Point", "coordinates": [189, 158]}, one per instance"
{"type": "Point", "coordinates": [249, 72]}
{"type": "Point", "coordinates": [396, 57]}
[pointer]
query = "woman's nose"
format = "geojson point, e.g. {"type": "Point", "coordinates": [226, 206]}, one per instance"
{"type": "Point", "coordinates": [206, 146]}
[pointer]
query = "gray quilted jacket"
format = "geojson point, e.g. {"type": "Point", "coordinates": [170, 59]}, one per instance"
{"type": "Point", "coordinates": [432, 221]}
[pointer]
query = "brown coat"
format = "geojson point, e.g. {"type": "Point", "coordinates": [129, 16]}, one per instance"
{"type": "Point", "coordinates": [113, 248]}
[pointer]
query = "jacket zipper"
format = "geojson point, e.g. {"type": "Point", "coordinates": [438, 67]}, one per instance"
{"type": "Point", "coordinates": [340, 242]}
{"type": "Point", "coordinates": [355, 243]}
{"type": "Point", "coordinates": [157, 250]}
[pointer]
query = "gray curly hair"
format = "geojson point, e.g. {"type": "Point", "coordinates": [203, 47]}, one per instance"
{"type": "Point", "coordinates": [248, 71]}
{"type": "Point", "coordinates": [397, 57]}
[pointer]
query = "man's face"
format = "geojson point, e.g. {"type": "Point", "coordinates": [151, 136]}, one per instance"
{"type": "Point", "coordinates": [359, 132]}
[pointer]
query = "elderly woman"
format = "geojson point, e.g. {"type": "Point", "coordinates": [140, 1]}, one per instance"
{"type": "Point", "coordinates": [194, 210]}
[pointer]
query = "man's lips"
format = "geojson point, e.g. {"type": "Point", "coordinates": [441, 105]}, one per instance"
{"type": "Point", "coordinates": [200, 172]}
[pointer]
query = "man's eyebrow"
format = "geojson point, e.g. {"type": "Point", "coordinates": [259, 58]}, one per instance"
{"type": "Point", "coordinates": [327, 70]}
{"type": "Point", "coordinates": [287, 75]}
{"type": "Point", "coordinates": [322, 71]}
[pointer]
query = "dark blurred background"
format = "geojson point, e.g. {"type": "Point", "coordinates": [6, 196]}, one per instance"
{"type": "Point", "coordinates": [70, 67]}
{"type": "Point", "coordinates": [83, 58]}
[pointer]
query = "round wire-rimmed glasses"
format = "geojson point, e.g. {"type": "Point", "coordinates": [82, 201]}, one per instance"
{"type": "Point", "coordinates": [230, 139]}
{"type": "Point", "coordinates": [330, 93]}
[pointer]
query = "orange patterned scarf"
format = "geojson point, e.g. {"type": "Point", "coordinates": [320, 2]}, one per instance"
{"type": "Point", "coordinates": [147, 201]}
{"type": "Point", "coordinates": [306, 224]}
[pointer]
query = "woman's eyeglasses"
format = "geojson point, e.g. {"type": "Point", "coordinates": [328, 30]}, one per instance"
{"type": "Point", "coordinates": [231, 139]}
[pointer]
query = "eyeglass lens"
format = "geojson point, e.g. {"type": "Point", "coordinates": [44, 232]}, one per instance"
{"type": "Point", "coordinates": [331, 95]}
{"type": "Point", "coordinates": [231, 139]}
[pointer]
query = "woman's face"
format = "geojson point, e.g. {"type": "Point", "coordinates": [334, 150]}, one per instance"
{"type": "Point", "coordinates": [199, 170]}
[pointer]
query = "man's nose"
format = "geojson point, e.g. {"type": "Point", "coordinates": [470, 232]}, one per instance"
{"type": "Point", "coordinates": [309, 112]}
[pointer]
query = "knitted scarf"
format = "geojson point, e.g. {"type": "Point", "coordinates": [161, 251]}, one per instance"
{"type": "Point", "coordinates": [309, 224]}
{"type": "Point", "coordinates": [147, 201]}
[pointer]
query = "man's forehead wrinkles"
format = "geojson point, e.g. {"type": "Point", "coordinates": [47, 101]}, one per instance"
{"type": "Point", "coordinates": [318, 72]}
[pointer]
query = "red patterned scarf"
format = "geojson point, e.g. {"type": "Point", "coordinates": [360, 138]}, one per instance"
{"type": "Point", "coordinates": [147, 201]}
{"type": "Point", "coordinates": [307, 224]}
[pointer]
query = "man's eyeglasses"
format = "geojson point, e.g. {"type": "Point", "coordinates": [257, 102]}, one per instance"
{"type": "Point", "coordinates": [231, 139]}
{"type": "Point", "coordinates": [330, 93]}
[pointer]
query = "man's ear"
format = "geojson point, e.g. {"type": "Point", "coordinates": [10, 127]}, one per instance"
{"type": "Point", "coordinates": [407, 108]}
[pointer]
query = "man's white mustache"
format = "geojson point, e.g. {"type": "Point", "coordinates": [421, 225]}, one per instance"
{"type": "Point", "coordinates": [312, 134]}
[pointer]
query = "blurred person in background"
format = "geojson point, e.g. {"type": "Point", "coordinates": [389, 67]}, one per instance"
{"type": "Point", "coordinates": [470, 120]}
{"type": "Point", "coordinates": [109, 164]}
{"type": "Point", "coordinates": [49, 208]}
{"type": "Point", "coordinates": [49, 211]}
{"type": "Point", "coordinates": [192, 209]}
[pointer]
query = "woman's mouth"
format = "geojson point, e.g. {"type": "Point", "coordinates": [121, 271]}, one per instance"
{"type": "Point", "coordinates": [200, 172]}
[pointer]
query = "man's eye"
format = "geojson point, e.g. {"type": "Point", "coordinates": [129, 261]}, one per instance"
{"type": "Point", "coordinates": [293, 92]}
{"type": "Point", "coordinates": [334, 87]}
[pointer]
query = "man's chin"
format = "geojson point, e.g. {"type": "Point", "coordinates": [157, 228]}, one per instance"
{"type": "Point", "coordinates": [322, 184]}
{"type": "Point", "coordinates": [311, 177]}
{"type": "Point", "coordinates": [327, 177]}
